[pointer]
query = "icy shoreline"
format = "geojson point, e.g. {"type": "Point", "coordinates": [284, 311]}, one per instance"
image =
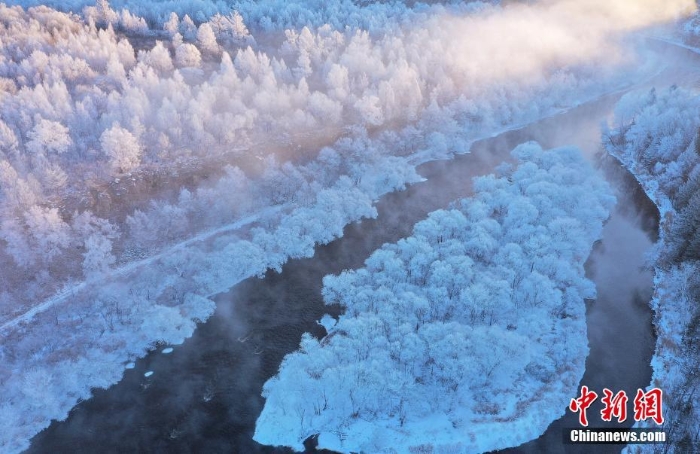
{"type": "Point", "coordinates": [65, 374]}
{"type": "Point", "coordinates": [667, 301]}
{"type": "Point", "coordinates": [671, 302]}
{"type": "Point", "coordinates": [54, 353]}
{"type": "Point", "coordinates": [413, 365]}
{"type": "Point", "coordinates": [71, 376]}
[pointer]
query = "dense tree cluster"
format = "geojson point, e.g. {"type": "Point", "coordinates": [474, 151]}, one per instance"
{"type": "Point", "coordinates": [134, 142]}
{"type": "Point", "coordinates": [658, 133]}
{"type": "Point", "coordinates": [92, 127]}
{"type": "Point", "coordinates": [88, 332]}
{"type": "Point", "coordinates": [657, 136]}
{"type": "Point", "coordinates": [457, 327]}
{"type": "Point", "coordinates": [273, 15]}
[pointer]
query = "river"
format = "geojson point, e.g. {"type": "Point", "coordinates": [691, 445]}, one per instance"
{"type": "Point", "coordinates": [205, 395]}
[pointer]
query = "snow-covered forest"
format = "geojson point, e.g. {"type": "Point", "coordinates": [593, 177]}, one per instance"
{"type": "Point", "coordinates": [452, 338]}
{"type": "Point", "coordinates": [103, 144]}
{"type": "Point", "coordinates": [154, 154]}
{"type": "Point", "coordinates": [656, 135]}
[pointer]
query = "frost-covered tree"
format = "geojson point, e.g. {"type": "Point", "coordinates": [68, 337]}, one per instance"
{"type": "Point", "coordinates": [157, 58]}
{"type": "Point", "coordinates": [94, 236]}
{"type": "Point", "coordinates": [98, 255]}
{"type": "Point", "coordinates": [206, 39]}
{"type": "Point", "coordinates": [8, 139]}
{"type": "Point", "coordinates": [172, 25]}
{"type": "Point", "coordinates": [656, 137]}
{"type": "Point", "coordinates": [231, 28]}
{"type": "Point", "coordinates": [187, 28]}
{"type": "Point", "coordinates": [48, 136]}
{"type": "Point", "coordinates": [40, 237]}
{"type": "Point", "coordinates": [122, 149]}
{"type": "Point", "coordinates": [52, 177]}
{"type": "Point", "coordinates": [187, 55]}
{"type": "Point", "coordinates": [322, 88]}
{"type": "Point", "coordinates": [102, 13]}
{"type": "Point", "coordinates": [466, 314]}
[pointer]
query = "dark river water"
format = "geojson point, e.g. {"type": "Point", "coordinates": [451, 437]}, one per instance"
{"type": "Point", "coordinates": [204, 397]}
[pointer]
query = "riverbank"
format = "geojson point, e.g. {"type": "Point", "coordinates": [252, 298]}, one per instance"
{"type": "Point", "coordinates": [206, 394]}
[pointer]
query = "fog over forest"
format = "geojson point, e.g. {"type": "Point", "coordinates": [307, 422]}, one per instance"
{"type": "Point", "coordinates": [155, 154]}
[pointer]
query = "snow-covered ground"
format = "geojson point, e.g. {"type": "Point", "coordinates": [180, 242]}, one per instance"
{"type": "Point", "coordinates": [85, 336]}
{"type": "Point", "coordinates": [119, 108]}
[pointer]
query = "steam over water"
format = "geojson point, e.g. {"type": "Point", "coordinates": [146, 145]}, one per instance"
{"type": "Point", "coordinates": [205, 396]}
{"type": "Point", "coordinates": [620, 330]}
